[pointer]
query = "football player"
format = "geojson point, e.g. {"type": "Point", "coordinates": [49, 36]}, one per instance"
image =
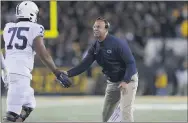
{"type": "Point", "coordinates": [23, 39]}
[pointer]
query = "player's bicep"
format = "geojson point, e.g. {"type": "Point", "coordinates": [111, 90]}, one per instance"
{"type": "Point", "coordinates": [38, 45]}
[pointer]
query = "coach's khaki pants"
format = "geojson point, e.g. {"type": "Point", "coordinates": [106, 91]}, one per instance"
{"type": "Point", "coordinates": [126, 97]}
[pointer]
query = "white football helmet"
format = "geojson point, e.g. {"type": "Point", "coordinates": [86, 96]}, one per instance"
{"type": "Point", "coordinates": [27, 9]}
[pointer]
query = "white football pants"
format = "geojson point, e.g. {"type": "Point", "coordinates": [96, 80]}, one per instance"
{"type": "Point", "coordinates": [20, 93]}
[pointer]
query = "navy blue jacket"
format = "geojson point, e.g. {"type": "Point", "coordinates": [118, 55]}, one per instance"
{"type": "Point", "coordinates": [113, 55]}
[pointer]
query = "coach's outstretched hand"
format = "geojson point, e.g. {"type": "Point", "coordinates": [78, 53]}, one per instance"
{"type": "Point", "coordinates": [63, 79]}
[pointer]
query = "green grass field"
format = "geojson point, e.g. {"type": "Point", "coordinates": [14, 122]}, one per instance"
{"type": "Point", "coordinates": [88, 108]}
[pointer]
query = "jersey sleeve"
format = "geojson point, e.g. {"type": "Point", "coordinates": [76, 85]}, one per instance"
{"type": "Point", "coordinates": [38, 31]}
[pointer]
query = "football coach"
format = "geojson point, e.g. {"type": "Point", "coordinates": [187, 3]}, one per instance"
{"type": "Point", "coordinates": [118, 63]}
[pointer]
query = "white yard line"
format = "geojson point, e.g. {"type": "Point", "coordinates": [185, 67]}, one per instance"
{"type": "Point", "coordinates": [160, 106]}
{"type": "Point", "coordinates": [45, 102]}
{"type": "Point", "coordinates": [137, 106]}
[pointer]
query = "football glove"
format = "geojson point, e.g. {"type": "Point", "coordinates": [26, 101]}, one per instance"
{"type": "Point", "coordinates": [63, 79]}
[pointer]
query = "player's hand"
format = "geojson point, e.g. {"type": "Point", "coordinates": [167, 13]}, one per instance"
{"type": "Point", "coordinates": [63, 78]}
{"type": "Point", "coordinates": [5, 78]}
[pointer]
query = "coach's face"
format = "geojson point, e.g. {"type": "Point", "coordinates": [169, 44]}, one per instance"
{"type": "Point", "coordinates": [99, 29]}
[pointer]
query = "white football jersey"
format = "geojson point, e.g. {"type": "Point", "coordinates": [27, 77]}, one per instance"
{"type": "Point", "coordinates": [18, 39]}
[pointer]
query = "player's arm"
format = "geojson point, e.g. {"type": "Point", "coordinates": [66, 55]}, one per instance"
{"type": "Point", "coordinates": [84, 65]}
{"type": "Point", "coordinates": [40, 49]}
{"type": "Point", "coordinates": [45, 57]}
{"type": "Point", "coordinates": [42, 52]}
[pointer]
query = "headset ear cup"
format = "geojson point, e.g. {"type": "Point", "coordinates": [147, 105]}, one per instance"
{"type": "Point", "coordinates": [108, 25]}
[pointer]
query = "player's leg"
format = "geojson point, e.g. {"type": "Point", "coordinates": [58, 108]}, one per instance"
{"type": "Point", "coordinates": [24, 114]}
{"type": "Point", "coordinates": [15, 98]}
{"type": "Point", "coordinates": [28, 106]}
{"type": "Point", "coordinates": [112, 96]}
{"type": "Point", "coordinates": [127, 100]}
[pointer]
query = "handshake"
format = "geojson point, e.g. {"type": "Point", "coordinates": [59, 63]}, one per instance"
{"type": "Point", "coordinates": [63, 78]}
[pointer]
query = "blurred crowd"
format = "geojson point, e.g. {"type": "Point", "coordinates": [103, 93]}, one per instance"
{"type": "Point", "coordinates": [134, 21]}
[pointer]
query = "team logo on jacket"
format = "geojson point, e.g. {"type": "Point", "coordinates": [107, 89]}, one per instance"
{"type": "Point", "coordinates": [109, 51]}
